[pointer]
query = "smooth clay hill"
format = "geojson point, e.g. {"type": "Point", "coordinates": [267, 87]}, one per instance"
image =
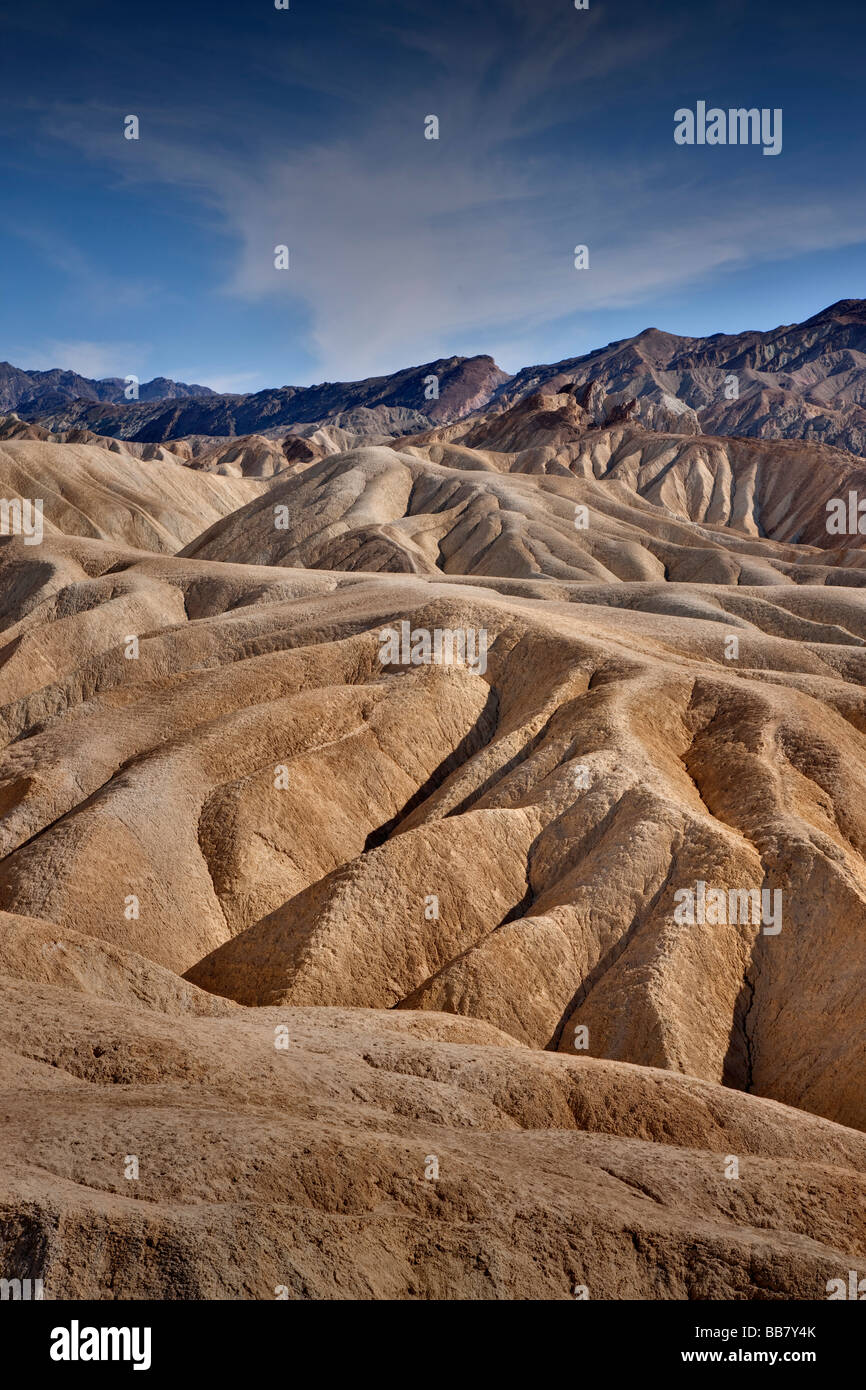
{"type": "Point", "coordinates": [377, 968]}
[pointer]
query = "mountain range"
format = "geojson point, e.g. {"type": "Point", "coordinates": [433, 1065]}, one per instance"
{"type": "Point", "coordinates": [32, 393]}
{"type": "Point", "coordinates": [798, 381]}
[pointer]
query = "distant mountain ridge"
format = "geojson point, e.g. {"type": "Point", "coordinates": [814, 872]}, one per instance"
{"type": "Point", "coordinates": [412, 399]}
{"type": "Point", "coordinates": [798, 381]}
{"type": "Point", "coordinates": [32, 394]}
{"type": "Point", "coordinates": [803, 380]}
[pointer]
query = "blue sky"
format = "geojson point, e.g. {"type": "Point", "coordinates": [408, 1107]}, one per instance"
{"type": "Point", "coordinates": [305, 127]}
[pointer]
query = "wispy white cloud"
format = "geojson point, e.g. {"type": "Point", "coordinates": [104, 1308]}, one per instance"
{"type": "Point", "coordinates": [403, 249]}
{"type": "Point", "coordinates": [95, 360]}
{"type": "Point", "coordinates": [229, 383]}
{"type": "Point", "coordinates": [398, 261]}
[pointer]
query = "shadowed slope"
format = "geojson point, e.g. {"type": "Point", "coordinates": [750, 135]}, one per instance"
{"type": "Point", "coordinates": [609, 755]}
{"type": "Point", "coordinates": [611, 505]}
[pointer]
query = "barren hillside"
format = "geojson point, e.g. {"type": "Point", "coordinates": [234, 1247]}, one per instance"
{"type": "Point", "coordinates": [297, 898]}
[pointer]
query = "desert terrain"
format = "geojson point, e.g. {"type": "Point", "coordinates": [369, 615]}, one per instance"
{"type": "Point", "coordinates": [337, 962]}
